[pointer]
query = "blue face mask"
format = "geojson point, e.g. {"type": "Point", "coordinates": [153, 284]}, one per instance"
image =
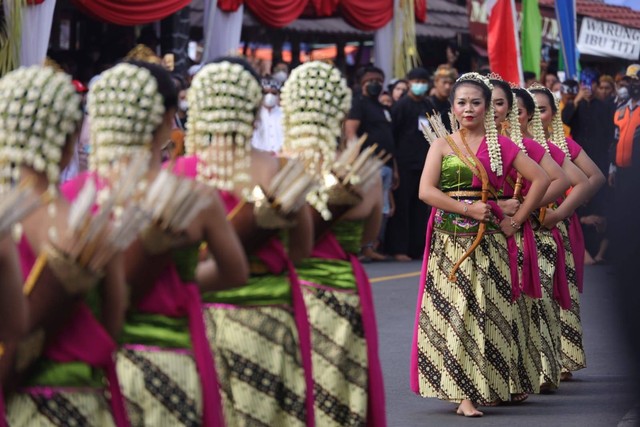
{"type": "Point", "coordinates": [419, 89]}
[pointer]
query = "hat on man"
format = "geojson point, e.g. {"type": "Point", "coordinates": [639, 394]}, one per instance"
{"type": "Point", "coordinates": [633, 71]}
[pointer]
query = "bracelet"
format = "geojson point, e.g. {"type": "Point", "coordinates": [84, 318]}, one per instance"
{"type": "Point", "coordinates": [515, 224]}
{"type": "Point", "coordinates": [465, 208]}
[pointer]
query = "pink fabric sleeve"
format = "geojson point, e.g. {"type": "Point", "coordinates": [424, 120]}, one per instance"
{"type": "Point", "coordinates": [574, 148]}
{"type": "Point", "coordinates": [556, 153]}
{"type": "Point", "coordinates": [534, 150]}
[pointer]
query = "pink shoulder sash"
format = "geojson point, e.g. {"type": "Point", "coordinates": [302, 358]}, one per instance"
{"type": "Point", "coordinates": [560, 284]}
{"type": "Point", "coordinates": [72, 343]}
{"type": "Point", "coordinates": [576, 239]}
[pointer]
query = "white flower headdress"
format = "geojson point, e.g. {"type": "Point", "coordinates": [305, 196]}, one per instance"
{"type": "Point", "coordinates": [557, 130]}
{"type": "Point", "coordinates": [224, 99]}
{"type": "Point", "coordinates": [491, 132]}
{"type": "Point", "coordinates": [39, 110]}
{"type": "Point", "coordinates": [315, 100]}
{"type": "Point", "coordinates": [537, 129]}
{"type": "Point", "coordinates": [514, 132]}
{"type": "Point", "coordinates": [125, 108]}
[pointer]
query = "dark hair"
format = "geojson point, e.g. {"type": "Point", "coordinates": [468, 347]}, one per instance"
{"type": "Point", "coordinates": [549, 95]}
{"type": "Point", "coordinates": [527, 100]}
{"type": "Point", "coordinates": [528, 75]}
{"type": "Point", "coordinates": [393, 85]}
{"type": "Point", "coordinates": [486, 92]}
{"type": "Point", "coordinates": [166, 85]}
{"type": "Point", "coordinates": [369, 69]}
{"type": "Point", "coordinates": [505, 88]}
{"type": "Point", "coordinates": [240, 61]}
{"type": "Point", "coordinates": [180, 82]}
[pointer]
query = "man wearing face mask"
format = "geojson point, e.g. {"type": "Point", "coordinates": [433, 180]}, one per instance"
{"type": "Point", "coordinates": [627, 119]}
{"type": "Point", "coordinates": [591, 120]}
{"type": "Point", "coordinates": [269, 135]}
{"type": "Point", "coordinates": [368, 115]}
{"type": "Point", "coordinates": [568, 92]}
{"type": "Point", "coordinates": [406, 232]}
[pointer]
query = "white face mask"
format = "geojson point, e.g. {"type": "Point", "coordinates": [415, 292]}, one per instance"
{"type": "Point", "coordinates": [557, 94]}
{"type": "Point", "coordinates": [183, 105]}
{"type": "Point", "coordinates": [280, 76]}
{"type": "Point", "coordinates": [270, 100]}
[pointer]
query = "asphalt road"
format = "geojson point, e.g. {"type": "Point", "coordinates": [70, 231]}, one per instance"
{"type": "Point", "coordinates": [600, 395]}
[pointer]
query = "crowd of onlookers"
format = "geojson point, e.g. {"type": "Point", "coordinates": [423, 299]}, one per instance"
{"type": "Point", "coordinates": [598, 111]}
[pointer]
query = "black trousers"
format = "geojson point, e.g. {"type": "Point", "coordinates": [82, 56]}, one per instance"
{"type": "Point", "coordinates": [407, 227]}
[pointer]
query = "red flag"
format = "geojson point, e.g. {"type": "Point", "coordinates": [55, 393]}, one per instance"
{"type": "Point", "coordinates": [503, 42]}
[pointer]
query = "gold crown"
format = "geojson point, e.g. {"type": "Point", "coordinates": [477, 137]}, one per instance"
{"type": "Point", "coordinates": [494, 76]}
{"type": "Point", "coordinates": [537, 86]}
{"type": "Point", "coordinates": [476, 78]}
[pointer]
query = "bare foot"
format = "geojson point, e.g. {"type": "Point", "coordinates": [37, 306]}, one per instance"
{"type": "Point", "coordinates": [373, 255]}
{"type": "Point", "coordinates": [518, 398]}
{"type": "Point", "coordinates": [402, 258]}
{"type": "Point", "coordinates": [467, 409]}
{"type": "Point", "coordinates": [547, 388]}
{"type": "Point", "coordinates": [566, 376]}
{"type": "Point", "coordinates": [588, 259]}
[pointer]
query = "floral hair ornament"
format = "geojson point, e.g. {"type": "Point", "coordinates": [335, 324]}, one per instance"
{"type": "Point", "coordinates": [556, 130]}
{"type": "Point", "coordinates": [40, 110]}
{"type": "Point", "coordinates": [491, 132]}
{"type": "Point", "coordinates": [125, 108]}
{"type": "Point", "coordinates": [315, 99]}
{"type": "Point", "coordinates": [535, 125]}
{"type": "Point", "coordinates": [514, 132]}
{"type": "Point", "coordinates": [223, 101]}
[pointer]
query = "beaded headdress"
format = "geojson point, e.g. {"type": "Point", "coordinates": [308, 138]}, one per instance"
{"type": "Point", "coordinates": [315, 99]}
{"type": "Point", "coordinates": [39, 110]}
{"type": "Point", "coordinates": [125, 108]}
{"type": "Point", "coordinates": [556, 129]}
{"type": "Point", "coordinates": [515, 134]}
{"type": "Point", "coordinates": [535, 125]}
{"type": "Point", "coordinates": [491, 132]}
{"type": "Point", "coordinates": [223, 102]}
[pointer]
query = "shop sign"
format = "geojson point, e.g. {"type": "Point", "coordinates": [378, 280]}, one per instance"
{"type": "Point", "coordinates": [601, 38]}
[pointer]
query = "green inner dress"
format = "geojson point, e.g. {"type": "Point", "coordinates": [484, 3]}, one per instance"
{"type": "Point", "coordinates": [330, 272]}
{"type": "Point", "coordinates": [456, 176]}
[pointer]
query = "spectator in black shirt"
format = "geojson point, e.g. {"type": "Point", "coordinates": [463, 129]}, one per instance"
{"type": "Point", "coordinates": [591, 122]}
{"type": "Point", "coordinates": [443, 80]}
{"type": "Point", "coordinates": [406, 232]}
{"type": "Point", "coordinates": [368, 115]}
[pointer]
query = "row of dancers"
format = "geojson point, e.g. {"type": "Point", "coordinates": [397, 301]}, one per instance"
{"type": "Point", "coordinates": [200, 291]}
{"type": "Point", "coordinates": [498, 310]}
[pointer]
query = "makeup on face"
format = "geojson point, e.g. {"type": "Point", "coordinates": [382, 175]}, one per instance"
{"type": "Point", "coordinates": [500, 105]}
{"type": "Point", "coordinates": [468, 105]}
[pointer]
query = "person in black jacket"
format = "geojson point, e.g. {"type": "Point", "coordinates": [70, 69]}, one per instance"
{"type": "Point", "coordinates": [406, 230]}
{"type": "Point", "coordinates": [443, 80]}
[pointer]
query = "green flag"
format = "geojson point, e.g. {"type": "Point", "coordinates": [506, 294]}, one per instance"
{"type": "Point", "coordinates": [531, 36]}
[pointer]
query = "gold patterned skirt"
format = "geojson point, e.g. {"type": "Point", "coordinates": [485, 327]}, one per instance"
{"type": "Point", "coordinates": [546, 311]}
{"type": "Point", "coordinates": [59, 407]}
{"type": "Point", "coordinates": [465, 327]}
{"type": "Point", "coordinates": [525, 359]}
{"type": "Point", "coordinates": [161, 386]}
{"type": "Point", "coordinates": [258, 361]}
{"type": "Point", "coordinates": [572, 356]}
{"type": "Point", "coordinates": [339, 356]}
